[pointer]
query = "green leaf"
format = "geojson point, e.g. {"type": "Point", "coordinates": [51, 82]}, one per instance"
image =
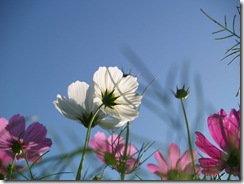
{"type": "Point", "coordinates": [222, 38]}
{"type": "Point", "coordinates": [109, 159]}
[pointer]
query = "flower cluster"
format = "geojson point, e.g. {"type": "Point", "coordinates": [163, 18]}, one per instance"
{"type": "Point", "coordinates": [110, 151]}
{"type": "Point", "coordinates": [112, 94]}
{"type": "Point", "coordinates": [18, 143]}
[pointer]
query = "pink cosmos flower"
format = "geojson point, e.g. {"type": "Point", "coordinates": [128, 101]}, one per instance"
{"type": "Point", "coordinates": [110, 151]}
{"type": "Point", "coordinates": [4, 161]}
{"type": "Point", "coordinates": [179, 168]}
{"type": "Point", "coordinates": [14, 139]}
{"type": "Point", "coordinates": [226, 133]}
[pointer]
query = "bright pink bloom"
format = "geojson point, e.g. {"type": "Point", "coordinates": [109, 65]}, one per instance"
{"type": "Point", "coordinates": [14, 139]}
{"type": "Point", "coordinates": [226, 133]}
{"type": "Point", "coordinates": [110, 151]}
{"type": "Point", "coordinates": [179, 168]}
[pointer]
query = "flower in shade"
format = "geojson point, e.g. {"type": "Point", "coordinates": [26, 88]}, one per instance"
{"type": "Point", "coordinates": [15, 140]}
{"type": "Point", "coordinates": [79, 106]}
{"type": "Point", "coordinates": [117, 93]}
{"type": "Point", "coordinates": [5, 161]}
{"type": "Point", "coordinates": [179, 168]}
{"type": "Point", "coordinates": [110, 151]}
{"type": "Point", "coordinates": [226, 133]}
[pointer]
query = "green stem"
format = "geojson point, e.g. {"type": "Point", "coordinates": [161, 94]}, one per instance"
{"type": "Point", "coordinates": [28, 165]}
{"type": "Point", "coordinates": [125, 151]}
{"type": "Point", "coordinates": [189, 138]}
{"type": "Point", "coordinates": [79, 172]}
{"type": "Point", "coordinates": [229, 174]}
{"type": "Point", "coordinates": [12, 166]}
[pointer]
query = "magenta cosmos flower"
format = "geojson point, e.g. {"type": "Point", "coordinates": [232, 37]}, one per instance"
{"type": "Point", "coordinates": [179, 168]}
{"type": "Point", "coordinates": [226, 133]}
{"type": "Point", "coordinates": [15, 140]}
{"type": "Point", "coordinates": [110, 151]}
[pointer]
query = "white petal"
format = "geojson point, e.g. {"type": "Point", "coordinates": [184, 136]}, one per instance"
{"type": "Point", "coordinates": [68, 108]}
{"type": "Point", "coordinates": [112, 78]}
{"type": "Point", "coordinates": [127, 84]}
{"type": "Point", "coordinates": [77, 91]}
{"type": "Point", "coordinates": [126, 112]}
{"type": "Point", "coordinates": [113, 123]}
{"type": "Point", "coordinates": [99, 79]}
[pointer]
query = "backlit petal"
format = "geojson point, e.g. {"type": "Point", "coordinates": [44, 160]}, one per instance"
{"type": "Point", "coordinates": [205, 146]}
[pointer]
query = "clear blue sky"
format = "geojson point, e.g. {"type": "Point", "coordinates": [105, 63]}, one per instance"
{"type": "Point", "coordinates": [46, 45]}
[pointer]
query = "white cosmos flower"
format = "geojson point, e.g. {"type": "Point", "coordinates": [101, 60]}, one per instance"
{"type": "Point", "coordinates": [79, 106]}
{"type": "Point", "coordinates": [116, 93]}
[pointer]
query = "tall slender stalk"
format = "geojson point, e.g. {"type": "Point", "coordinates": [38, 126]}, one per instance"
{"type": "Point", "coordinates": [12, 166]}
{"type": "Point", "coordinates": [125, 151]}
{"type": "Point", "coordinates": [189, 138]}
{"type": "Point", "coordinates": [88, 132]}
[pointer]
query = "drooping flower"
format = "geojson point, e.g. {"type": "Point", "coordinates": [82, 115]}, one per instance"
{"type": "Point", "coordinates": [117, 93]}
{"type": "Point", "coordinates": [110, 151]}
{"type": "Point", "coordinates": [15, 140]}
{"type": "Point", "coordinates": [179, 168]}
{"type": "Point", "coordinates": [226, 133]}
{"type": "Point", "coordinates": [79, 106]}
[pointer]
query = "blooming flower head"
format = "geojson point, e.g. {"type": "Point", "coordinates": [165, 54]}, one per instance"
{"type": "Point", "coordinates": [179, 168]}
{"type": "Point", "coordinates": [226, 133]}
{"type": "Point", "coordinates": [15, 140]}
{"type": "Point", "coordinates": [110, 151]}
{"type": "Point", "coordinates": [117, 93]}
{"type": "Point", "coordinates": [79, 106]}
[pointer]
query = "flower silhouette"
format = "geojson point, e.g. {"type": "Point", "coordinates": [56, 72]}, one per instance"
{"type": "Point", "coordinates": [15, 140]}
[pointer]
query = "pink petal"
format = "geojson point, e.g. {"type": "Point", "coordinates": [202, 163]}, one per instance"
{"type": "Point", "coordinates": [16, 126]}
{"type": "Point", "coordinates": [173, 155]}
{"type": "Point", "coordinates": [205, 146]}
{"type": "Point", "coordinates": [216, 126]}
{"type": "Point", "coordinates": [4, 157]}
{"type": "Point", "coordinates": [5, 137]}
{"type": "Point", "coordinates": [160, 159]}
{"type": "Point", "coordinates": [211, 167]}
{"type": "Point", "coordinates": [3, 124]}
{"type": "Point", "coordinates": [99, 142]}
{"type": "Point", "coordinates": [36, 133]}
{"type": "Point", "coordinates": [155, 169]}
{"type": "Point", "coordinates": [115, 145]}
{"type": "Point", "coordinates": [186, 159]}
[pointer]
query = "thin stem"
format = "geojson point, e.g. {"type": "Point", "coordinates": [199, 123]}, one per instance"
{"type": "Point", "coordinates": [229, 174]}
{"type": "Point", "coordinates": [79, 172]}
{"type": "Point", "coordinates": [125, 151]}
{"type": "Point", "coordinates": [189, 138]}
{"type": "Point", "coordinates": [29, 168]}
{"type": "Point", "coordinates": [224, 27]}
{"type": "Point", "coordinates": [12, 166]}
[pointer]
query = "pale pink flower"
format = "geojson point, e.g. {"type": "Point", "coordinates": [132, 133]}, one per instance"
{"type": "Point", "coordinates": [110, 151]}
{"type": "Point", "coordinates": [14, 139]}
{"type": "Point", "coordinates": [179, 168]}
{"type": "Point", "coordinates": [226, 133]}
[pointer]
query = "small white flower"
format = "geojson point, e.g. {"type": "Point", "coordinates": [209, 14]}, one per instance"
{"type": "Point", "coordinates": [79, 106]}
{"type": "Point", "coordinates": [116, 93]}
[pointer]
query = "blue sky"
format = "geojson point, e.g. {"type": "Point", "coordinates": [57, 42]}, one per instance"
{"type": "Point", "coordinates": [46, 45]}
